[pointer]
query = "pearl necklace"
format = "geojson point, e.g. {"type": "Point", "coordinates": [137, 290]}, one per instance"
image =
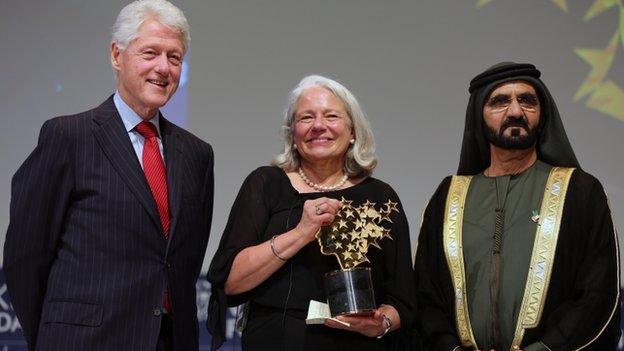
{"type": "Point", "coordinates": [319, 187]}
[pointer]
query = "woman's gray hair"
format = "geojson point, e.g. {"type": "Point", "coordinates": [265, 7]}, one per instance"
{"type": "Point", "coordinates": [360, 157]}
{"type": "Point", "coordinates": [126, 27]}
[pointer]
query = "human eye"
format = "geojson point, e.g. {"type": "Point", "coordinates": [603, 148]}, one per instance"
{"type": "Point", "coordinates": [305, 118]}
{"type": "Point", "coordinates": [499, 101]}
{"type": "Point", "coordinates": [528, 100]}
{"type": "Point", "coordinates": [175, 59]}
{"type": "Point", "coordinates": [149, 53]}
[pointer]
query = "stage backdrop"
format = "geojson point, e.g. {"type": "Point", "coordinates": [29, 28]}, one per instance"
{"type": "Point", "coordinates": [408, 62]}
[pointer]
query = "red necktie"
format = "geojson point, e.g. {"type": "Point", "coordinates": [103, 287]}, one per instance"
{"type": "Point", "coordinates": [156, 174]}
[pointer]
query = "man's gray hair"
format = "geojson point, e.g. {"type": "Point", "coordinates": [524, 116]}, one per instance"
{"type": "Point", "coordinates": [360, 157]}
{"type": "Point", "coordinates": [131, 17]}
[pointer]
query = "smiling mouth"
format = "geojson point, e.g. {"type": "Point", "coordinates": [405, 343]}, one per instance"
{"type": "Point", "coordinates": [319, 140]}
{"type": "Point", "coordinates": [160, 83]}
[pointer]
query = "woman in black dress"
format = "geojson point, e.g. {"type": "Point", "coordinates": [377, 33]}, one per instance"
{"type": "Point", "coordinates": [268, 255]}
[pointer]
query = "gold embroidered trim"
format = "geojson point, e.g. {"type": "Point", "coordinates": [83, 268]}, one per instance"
{"type": "Point", "coordinates": [543, 254]}
{"type": "Point", "coordinates": [452, 235]}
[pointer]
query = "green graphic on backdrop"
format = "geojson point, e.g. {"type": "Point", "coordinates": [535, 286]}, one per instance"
{"type": "Point", "coordinates": [603, 94]}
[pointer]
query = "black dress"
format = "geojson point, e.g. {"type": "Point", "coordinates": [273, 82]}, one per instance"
{"type": "Point", "coordinates": [267, 205]}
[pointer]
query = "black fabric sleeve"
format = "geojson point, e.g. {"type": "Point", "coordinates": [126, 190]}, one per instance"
{"type": "Point", "coordinates": [207, 197]}
{"type": "Point", "coordinates": [589, 318]}
{"type": "Point", "coordinates": [40, 194]}
{"type": "Point", "coordinates": [246, 224]}
{"type": "Point", "coordinates": [397, 269]}
{"type": "Point", "coordinates": [435, 318]}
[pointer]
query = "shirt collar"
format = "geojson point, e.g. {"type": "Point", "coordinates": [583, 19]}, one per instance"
{"type": "Point", "coordinates": [130, 118]}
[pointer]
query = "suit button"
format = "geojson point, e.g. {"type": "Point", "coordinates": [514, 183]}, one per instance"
{"type": "Point", "coordinates": [157, 312]}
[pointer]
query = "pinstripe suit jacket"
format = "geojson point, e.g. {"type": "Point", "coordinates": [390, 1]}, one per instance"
{"type": "Point", "coordinates": [85, 258]}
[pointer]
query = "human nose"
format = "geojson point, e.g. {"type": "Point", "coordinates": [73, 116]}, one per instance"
{"type": "Point", "coordinates": [318, 123]}
{"type": "Point", "coordinates": [162, 65]}
{"type": "Point", "coordinates": [514, 108]}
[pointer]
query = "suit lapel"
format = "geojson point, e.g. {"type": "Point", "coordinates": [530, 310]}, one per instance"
{"type": "Point", "coordinates": [112, 137]}
{"type": "Point", "coordinates": [173, 161]}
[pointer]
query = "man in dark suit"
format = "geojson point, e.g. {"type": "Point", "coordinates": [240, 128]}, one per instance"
{"type": "Point", "coordinates": [110, 214]}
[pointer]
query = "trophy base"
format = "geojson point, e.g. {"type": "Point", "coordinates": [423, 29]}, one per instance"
{"type": "Point", "coordinates": [350, 292]}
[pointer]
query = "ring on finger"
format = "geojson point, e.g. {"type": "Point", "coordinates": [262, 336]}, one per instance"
{"type": "Point", "coordinates": [318, 210]}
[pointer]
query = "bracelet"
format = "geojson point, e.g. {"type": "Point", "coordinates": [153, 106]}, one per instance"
{"type": "Point", "coordinates": [273, 249]}
{"type": "Point", "coordinates": [388, 323]}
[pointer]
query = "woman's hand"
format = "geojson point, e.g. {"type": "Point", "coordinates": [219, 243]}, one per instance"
{"type": "Point", "coordinates": [317, 213]}
{"type": "Point", "coordinates": [255, 264]}
{"type": "Point", "coordinates": [371, 326]}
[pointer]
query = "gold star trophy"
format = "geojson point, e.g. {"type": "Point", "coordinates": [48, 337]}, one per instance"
{"type": "Point", "coordinates": [354, 229]}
